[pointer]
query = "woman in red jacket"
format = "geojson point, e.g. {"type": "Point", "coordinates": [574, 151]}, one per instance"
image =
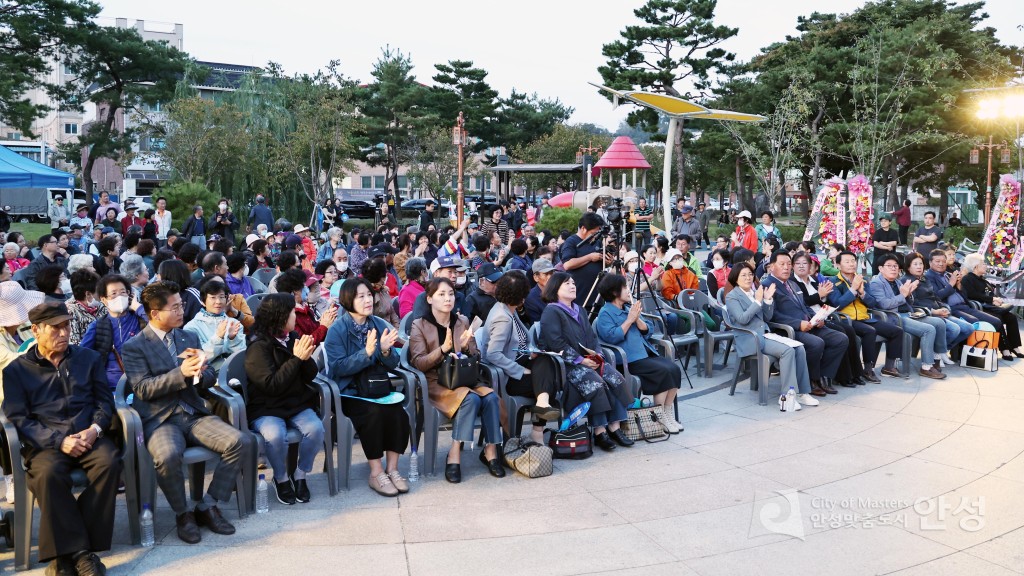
{"type": "Point", "coordinates": [745, 235]}
{"type": "Point", "coordinates": [298, 283]}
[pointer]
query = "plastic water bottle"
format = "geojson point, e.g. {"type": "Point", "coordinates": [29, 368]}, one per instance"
{"type": "Point", "coordinates": [791, 399]}
{"type": "Point", "coordinates": [147, 526]}
{"type": "Point", "coordinates": [414, 467]}
{"type": "Point", "coordinates": [262, 502]}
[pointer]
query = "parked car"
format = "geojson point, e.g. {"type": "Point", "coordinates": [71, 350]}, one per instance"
{"type": "Point", "coordinates": [360, 209]}
{"type": "Point", "coordinates": [412, 208]}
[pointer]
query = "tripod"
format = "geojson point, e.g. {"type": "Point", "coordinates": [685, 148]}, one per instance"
{"type": "Point", "coordinates": [635, 289]}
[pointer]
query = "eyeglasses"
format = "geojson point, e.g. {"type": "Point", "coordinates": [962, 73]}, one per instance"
{"type": "Point", "coordinates": [218, 298]}
{"type": "Point", "coordinates": [175, 309]}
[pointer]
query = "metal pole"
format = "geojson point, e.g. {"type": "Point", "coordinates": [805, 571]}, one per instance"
{"type": "Point", "coordinates": [461, 192]}
{"type": "Point", "coordinates": [666, 173]}
{"type": "Point", "coordinates": [988, 184]}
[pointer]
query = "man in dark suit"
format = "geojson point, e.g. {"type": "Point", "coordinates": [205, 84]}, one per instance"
{"type": "Point", "coordinates": [173, 414]}
{"type": "Point", "coordinates": [56, 396]}
{"type": "Point", "coordinates": [825, 347]}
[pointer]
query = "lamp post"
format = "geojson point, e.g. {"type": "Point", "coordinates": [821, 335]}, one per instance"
{"type": "Point", "coordinates": [988, 176]}
{"type": "Point", "coordinates": [459, 138]}
{"type": "Point", "coordinates": [1009, 106]}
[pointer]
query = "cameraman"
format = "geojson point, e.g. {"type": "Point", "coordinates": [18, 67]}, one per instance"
{"type": "Point", "coordinates": [582, 257]}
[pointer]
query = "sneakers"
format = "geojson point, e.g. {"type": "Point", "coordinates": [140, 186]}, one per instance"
{"type": "Point", "coordinates": [933, 373]}
{"type": "Point", "coordinates": [301, 490]}
{"type": "Point", "coordinates": [89, 565]}
{"type": "Point", "coordinates": [670, 425]}
{"type": "Point", "coordinates": [285, 492]}
{"type": "Point", "coordinates": [400, 483]}
{"type": "Point", "coordinates": [806, 400]}
{"type": "Point", "coordinates": [946, 360]}
{"type": "Point", "coordinates": [381, 484]}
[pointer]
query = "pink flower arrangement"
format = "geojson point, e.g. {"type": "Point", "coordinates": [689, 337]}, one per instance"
{"type": "Point", "coordinates": [1000, 242]}
{"type": "Point", "coordinates": [828, 220]}
{"type": "Point", "coordinates": [862, 213]}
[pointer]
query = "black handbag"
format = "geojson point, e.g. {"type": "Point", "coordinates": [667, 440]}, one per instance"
{"type": "Point", "coordinates": [574, 443]}
{"type": "Point", "coordinates": [373, 382]}
{"type": "Point", "coordinates": [459, 371]}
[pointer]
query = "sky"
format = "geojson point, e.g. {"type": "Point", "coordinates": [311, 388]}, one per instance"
{"type": "Point", "coordinates": [551, 47]}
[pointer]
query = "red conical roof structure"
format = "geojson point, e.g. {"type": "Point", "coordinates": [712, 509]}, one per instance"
{"type": "Point", "coordinates": [622, 154]}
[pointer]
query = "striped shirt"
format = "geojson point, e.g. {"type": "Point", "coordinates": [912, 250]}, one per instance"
{"type": "Point", "coordinates": [643, 225]}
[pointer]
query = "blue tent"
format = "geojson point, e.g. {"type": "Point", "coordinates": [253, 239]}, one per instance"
{"type": "Point", "coordinates": [16, 171]}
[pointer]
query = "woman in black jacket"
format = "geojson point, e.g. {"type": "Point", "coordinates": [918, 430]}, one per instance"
{"type": "Point", "coordinates": [975, 287]}
{"type": "Point", "coordinates": [566, 330]}
{"type": "Point", "coordinates": [280, 370]}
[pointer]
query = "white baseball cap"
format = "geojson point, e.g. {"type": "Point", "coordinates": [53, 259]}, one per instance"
{"type": "Point", "coordinates": [744, 214]}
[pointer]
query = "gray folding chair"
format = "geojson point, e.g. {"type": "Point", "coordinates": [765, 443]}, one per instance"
{"type": "Point", "coordinates": [254, 301]}
{"type": "Point", "coordinates": [264, 275]}
{"type": "Point", "coordinates": [699, 302]}
{"type": "Point", "coordinates": [757, 365]}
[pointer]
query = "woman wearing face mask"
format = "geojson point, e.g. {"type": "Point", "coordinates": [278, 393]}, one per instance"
{"type": "Point", "coordinates": [299, 284]}
{"type": "Point", "coordinates": [224, 222]}
{"type": "Point", "coordinates": [84, 308]}
{"type": "Point", "coordinates": [720, 268]}
{"type": "Point", "coordinates": [677, 276]}
{"type": "Point", "coordinates": [124, 320]}
{"type": "Point", "coordinates": [219, 335]}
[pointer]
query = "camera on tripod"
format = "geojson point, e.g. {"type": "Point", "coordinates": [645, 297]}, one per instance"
{"type": "Point", "coordinates": [378, 200]}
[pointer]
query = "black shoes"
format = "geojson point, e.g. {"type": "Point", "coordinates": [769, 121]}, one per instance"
{"type": "Point", "coordinates": [212, 519]}
{"type": "Point", "coordinates": [285, 492]}
{"type": "Point", "coordinates": [870, 376]}
{"type": "Point", "coordinates": [453, 473]}
{"type": "Point", "coordinates": [301, 490]}
{"type": "Point", "coordinates": [826, 385]}
{"type": "Point", "coordinates": [493, 466]}
{"type": "Point", "coordinates": [89, 564]}
{"type": "Point", "coordinates": [188, 530]}
{"type": "Point", "coordinates": [620, 438]}
{"type": "Point", "coordinates": [604, 442]}
{"type": "Point", "coordinates": [547, 413]}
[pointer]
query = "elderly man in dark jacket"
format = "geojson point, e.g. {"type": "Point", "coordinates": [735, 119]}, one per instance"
{"type": "Point", "coordinates": [56, 396]}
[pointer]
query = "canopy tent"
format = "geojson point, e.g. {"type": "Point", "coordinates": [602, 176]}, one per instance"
{"type": "Point", "coordinates": [16, 171]}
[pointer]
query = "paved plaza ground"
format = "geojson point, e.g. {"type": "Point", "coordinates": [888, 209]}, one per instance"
{"type": "Point", "coordinates": [904, 477]}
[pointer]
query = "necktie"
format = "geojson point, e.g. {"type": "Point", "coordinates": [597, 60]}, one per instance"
{"type": "Point", "coordinates": [169, 343]}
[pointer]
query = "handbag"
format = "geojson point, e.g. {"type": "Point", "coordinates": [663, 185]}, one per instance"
{"type": "Point", "coordinates": [644, 422]}
{"type": "Point", "coordinates": [531, 459]}
{"type": "Point", "coordinates": [374, 381]}
{"type": "Point", "coordinates": [573, 443]}
{"type": "Point", "coordinates": [458, 371]}
{"type": "Point", "coordinates": [985, 338]}
{"type": "Point", "coordinates": [980, 357]}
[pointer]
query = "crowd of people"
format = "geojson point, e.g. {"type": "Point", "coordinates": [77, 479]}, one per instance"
{"type": "Point", "coordinates": [164, 308]}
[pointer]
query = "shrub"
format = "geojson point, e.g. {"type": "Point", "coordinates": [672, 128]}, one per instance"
{"type": "Point", "coordinates": [182, 197]}
{"type": "Point", "coordinates": [558, 219]}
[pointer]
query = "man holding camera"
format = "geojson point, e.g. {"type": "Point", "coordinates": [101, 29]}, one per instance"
{"type": "Point", "coordinates": [581, 255]}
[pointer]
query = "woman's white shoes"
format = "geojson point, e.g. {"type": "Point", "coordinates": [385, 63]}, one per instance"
{"type": "Point", "coordinates": [806, 400]}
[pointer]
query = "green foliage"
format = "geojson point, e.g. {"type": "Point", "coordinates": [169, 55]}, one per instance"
{"type": "Point", "coordinates": [558, 219]}
{"type": "Point", "coordinates": [31, 33]}
{"type": "Point", "coordinates": [203, 139]}
{"type": "Point", "coordinates": [558, 147]}
{"type": "Point", "coordinates": [182, 198]}
{"type": "Point", "coordinates": [956, 234]}
{"type": "Point", "coordinates": [524, 118]}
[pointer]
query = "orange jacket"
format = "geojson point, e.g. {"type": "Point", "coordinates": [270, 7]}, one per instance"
{"type": "Point", "coordinates": [675, 281]}
{"type": "Point", "coordinates": [747, 237]}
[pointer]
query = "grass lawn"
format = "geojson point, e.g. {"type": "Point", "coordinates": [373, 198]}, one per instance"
{"type": "Point", "coordinates": [32, 232]}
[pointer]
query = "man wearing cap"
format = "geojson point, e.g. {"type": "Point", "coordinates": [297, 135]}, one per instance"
{"type": "Point", "coordinates": [82, 219]}
{"type": "Point", "coordinates": [542, 270]}
{"type": "Point", "coordinates": [56, 396]}
{"type": "Point", "coordinates": [60, 215]}
{"type": "Point", "coordinates": [166, 376]}
{"type": "Point", "coordinates": [704, 219]}
{"type": "Point", "coordinates": [481, 300]}
{"type": "Point", "coordinates": [884, 240]}
{"type": "Point", "coordinates": [745, 235]}
{"type": "Point", "coordinates": [195, 227]}
{"type": "Point", "coordinates": [224, 221]}
{"type": "Point", "coordinates": [427, 216]}
{"type": "Point", "coordinates": [443, 267]}
{"type": "Point", "coordinates": [48, 256]}
{"type": "Point", "coordinates": [687, 224]}
{"type": "Point", "coordinates": [130, 219]}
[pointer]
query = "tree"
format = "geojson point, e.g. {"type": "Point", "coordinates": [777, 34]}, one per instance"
{"type": "Point", "coordinates": [203, 139]}
{"type": "Point", "coordinates": [677, 43]}
{"type": "Point", "coordinates": [33, 34]}
{"type": "Point", "coordinates": [119, 72]}
{"type": "Point", "coordinates": [434, 162]}
{"type": "Point", "coordinates": [393, 109]}
{"type": "Point", "coordinates": [524, 118]}
{"type": "Point", "coordinates": [463, 88]}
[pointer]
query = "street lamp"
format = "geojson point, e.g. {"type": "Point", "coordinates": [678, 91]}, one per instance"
{"type": "Point", "coordinates": [459, 138]}
{"type": "Point", "coordinates": [1010, 106]}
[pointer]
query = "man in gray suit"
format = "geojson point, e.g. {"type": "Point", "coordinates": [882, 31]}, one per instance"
{"type": "Point", "coordinates": [173, 414]}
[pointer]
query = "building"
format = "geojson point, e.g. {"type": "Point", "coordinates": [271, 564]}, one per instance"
{"type": "Point", "coordinates": [364, 180]}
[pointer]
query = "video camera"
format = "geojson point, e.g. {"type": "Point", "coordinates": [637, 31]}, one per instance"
{"type": "Point", "coordinates": [378, 200]}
